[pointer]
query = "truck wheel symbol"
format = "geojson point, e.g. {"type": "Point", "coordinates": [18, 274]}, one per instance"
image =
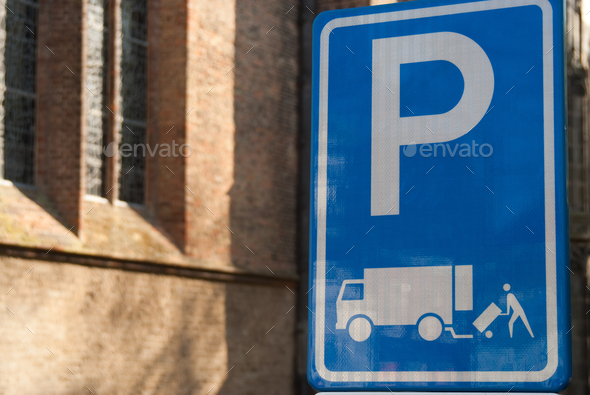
{"type": "Point", "coordinates": [430, 328]}
{"type": "Point", "coordinates": [360, 329]}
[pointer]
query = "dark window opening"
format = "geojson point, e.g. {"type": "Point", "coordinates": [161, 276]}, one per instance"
{"type": "Point", "coordinates": [18, 142]}
{"type": "Point", "coordinates": [133, 101]}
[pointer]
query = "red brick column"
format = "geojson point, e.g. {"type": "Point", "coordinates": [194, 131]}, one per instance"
{"type": "Point", "coordinates": [60, 119]}
{"type": "Point", "coordinates": [167, 91]}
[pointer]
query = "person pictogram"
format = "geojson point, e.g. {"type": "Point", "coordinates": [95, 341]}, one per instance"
{"type": "Point", "coordinates": [517, 311]}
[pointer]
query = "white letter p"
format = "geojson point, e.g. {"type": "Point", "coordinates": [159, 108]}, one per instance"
{"type": "Point", "coordinates": [390, 131]}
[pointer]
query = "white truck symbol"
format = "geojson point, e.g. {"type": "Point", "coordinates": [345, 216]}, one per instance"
{"type": "Point", "coordinates": [405, 296]}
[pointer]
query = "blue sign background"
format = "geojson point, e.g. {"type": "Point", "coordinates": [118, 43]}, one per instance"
{"type": "Point", "coordinates": [486, 211]}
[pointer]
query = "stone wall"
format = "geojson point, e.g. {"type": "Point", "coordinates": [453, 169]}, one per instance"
{"type": "Point", "coordinates": [67, 327]}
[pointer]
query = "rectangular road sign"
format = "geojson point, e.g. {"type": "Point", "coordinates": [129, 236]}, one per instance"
{"type": "Point", "coordinates": [424, 393]}
{"type": "Point", "coordinates": [439, 244]}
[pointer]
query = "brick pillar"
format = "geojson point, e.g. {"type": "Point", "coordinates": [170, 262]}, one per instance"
{"type": "Point", "coordinates": [167, 107]}
{"type": "Point", "coordinates": [60, 119]}
{"type": "Point", "coordinates": [210, 128]}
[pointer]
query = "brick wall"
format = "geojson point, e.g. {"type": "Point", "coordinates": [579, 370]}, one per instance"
{"type": "Point", "coordinates": [226, 212]}
{"type": "Point", "coordinates": [210, 128]}
{"type": "Point", "coordinates": [232, 204]}
{"type": "Point", "coordinates": [263, 195]}
{"type": "Point", "coordinates": [243, 86]}
{"type": "Point", "coordinates": [60, 126]}
{"type": "Point", "coordinates": [167, 101]}
{"type": "Point", "coordinates": [129, 333]}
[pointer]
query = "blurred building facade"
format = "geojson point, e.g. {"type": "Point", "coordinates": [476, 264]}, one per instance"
{"type": "Point", "coordinates": [175, 260]}
{"type": "Point", "coordinates": [169, 268]}
{"type": "Point", "coordinates": [577, 39]}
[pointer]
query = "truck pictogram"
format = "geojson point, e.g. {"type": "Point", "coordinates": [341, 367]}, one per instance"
{"type": "Point", "coordinates": [421, 295]}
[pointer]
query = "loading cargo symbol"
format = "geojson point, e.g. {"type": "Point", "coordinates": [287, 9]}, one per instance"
{"type": "Point", "coordinates": [420, 296]}
{"type": "Point", "coordinates": [492, 312]}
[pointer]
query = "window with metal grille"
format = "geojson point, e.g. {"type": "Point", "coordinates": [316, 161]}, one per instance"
{"type": "Point", "coordinates": [18, 143]}
{"type": "Point", "coordinates": [96, 103]}
{"type": "Point", "coordinates": [133, 100]}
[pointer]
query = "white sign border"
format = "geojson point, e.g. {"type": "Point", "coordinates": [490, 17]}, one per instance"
{"type": "Point", "coordinates": [550, 223]}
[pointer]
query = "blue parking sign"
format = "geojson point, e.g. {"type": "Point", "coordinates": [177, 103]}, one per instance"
{"type": "Point", "coordinates": [439, 246]}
